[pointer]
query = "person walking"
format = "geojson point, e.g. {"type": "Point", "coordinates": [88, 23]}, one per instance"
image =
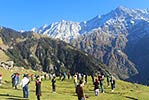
{"type": "Point", "coordinates": [38, 87]}
{"type": "Point", "coordinates": [80, 90]}
{"type": "Point", "coordinates": [24, 84]}
{"type": "Point", "coordinates": [64, 76]}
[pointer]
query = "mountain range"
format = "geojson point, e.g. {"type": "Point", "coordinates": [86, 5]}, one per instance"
{"type": "Point", "coordinates": [119, 39]}
{"type": "Point", "coordinates": [114, 43]}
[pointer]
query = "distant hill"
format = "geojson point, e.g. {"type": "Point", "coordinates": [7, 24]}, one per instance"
{"type": "Point", "coordinates": [40, 52]}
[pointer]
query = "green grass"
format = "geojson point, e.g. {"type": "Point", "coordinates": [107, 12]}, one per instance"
{"type": "Point", "coordinates": [65, 90]}
{"type": "Point", "coordinates": [3, 56]}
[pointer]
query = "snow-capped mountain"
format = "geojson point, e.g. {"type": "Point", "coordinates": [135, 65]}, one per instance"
{"type": "Point", "coordinates": [112, 38]}
{"type": "Point", "coordinates": [115, 37]}
{"type": "Point", "coordinates": [120, 18]}
{"type": "Point", "coordinates": [64, 30]}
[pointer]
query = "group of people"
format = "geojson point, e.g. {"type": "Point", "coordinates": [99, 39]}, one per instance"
{"type": "Point", "coordinates": [98, 85]}
{"type": "Point", "coordinates": [79, 81]}
{"type": "Point", "coordinates": [100, 81]}
{"type": "Point", "coordinates": [15, 80]}
{"type": "Point", "coordinates": [24, 83]}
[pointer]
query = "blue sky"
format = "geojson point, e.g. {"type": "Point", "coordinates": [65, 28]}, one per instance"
{"type": "Point", "coordinates": [26, 14]}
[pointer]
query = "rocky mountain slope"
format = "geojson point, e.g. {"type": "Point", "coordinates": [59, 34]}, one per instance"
{"type": "Point", "coordinates": [119, 38]}
{"type": "Point", "coordinates": [113, 38]}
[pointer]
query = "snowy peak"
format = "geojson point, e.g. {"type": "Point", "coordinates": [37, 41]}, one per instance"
{"type": "Point", "coordinates": [34, 29]}
{"type": "Point", "coordinates": [135, 13]}
{"type": "Point", "coordinates": [120, 16]}
{"type": "Point", "coordinates": [64, 30]}
{"type": "Point", "coordinates": [120, 20]}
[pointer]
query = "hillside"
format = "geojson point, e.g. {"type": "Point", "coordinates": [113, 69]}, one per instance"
{"type": "Point", "coordinates": [65, 89]}
{"type": "Point", "coordinates": [39, 52]}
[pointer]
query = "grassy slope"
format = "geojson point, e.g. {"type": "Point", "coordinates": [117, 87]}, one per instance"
{"type": "Point", "coordinates": [65, 90]}
{"type": "Point", "coordinates": [3, 56]}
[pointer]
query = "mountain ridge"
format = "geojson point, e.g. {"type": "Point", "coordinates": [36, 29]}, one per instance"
{"type": "Point", "coordinates": [96, 22]}
{"type": "Point", "coordinates": [107, 37]}
{"type": "Point", "coordinates": [113, 38]}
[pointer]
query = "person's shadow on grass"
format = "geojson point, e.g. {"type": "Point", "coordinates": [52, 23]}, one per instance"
{"type": "Point", "coordinates": [13, 97]}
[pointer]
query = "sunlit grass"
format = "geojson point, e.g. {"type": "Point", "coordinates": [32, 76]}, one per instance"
{"type": "Point", "coordinates": [65, 90]}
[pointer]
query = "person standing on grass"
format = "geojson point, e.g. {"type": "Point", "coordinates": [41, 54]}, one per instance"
{"type": "Point", "coordinates": [75, 80]}
{"type": "Point", "coordinates": [96, 87]}
{"type": "Point", "coordinates": [38, 87]}
{"type": "Point", "coordinates": [85, 78]}
{"type": "Point", "coordinates": [13, 80]}
{"type": "Point", "coordinates": [16, 80]}
{"type": "Point", "coordinates": [68, 75]}
{"type": "Point", "coordinates": [0, 79]}
{"type": "Point", "coordinates": [54, 84]}
{"type": "Point", "coordinates": [112, 83]}
{"type": "Point", "coordinates": [101, 80]}
{"type": "Point", "coordinates": [108, 80]}
{"type": "Point", "coordinates": [80, 90]}
{"type": "Point", "coordinates": [92, 76]}
{"type": "Point", "coordinates": [24, 84]}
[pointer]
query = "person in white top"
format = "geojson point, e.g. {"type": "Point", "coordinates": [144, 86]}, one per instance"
{"type": "Point", "coordinates": [0, 79]}
{"type": "Point", "coordinates": [24, 84]}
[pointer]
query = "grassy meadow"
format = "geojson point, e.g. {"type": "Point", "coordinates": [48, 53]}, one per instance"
{"type": "Point", "coordinates": [65, 89]}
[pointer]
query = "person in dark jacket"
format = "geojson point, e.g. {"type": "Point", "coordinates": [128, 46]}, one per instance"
{"type": "Point", "coordinates": [112, 83]}
{"type": "Point", "coordinates": [13, 80]}
{"type": "Point", "coordinates": [38, 87]}
{"type": "Point", "coordinates": [96, 87]}
{"type": "Point", "coordinates": [54, 84]}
